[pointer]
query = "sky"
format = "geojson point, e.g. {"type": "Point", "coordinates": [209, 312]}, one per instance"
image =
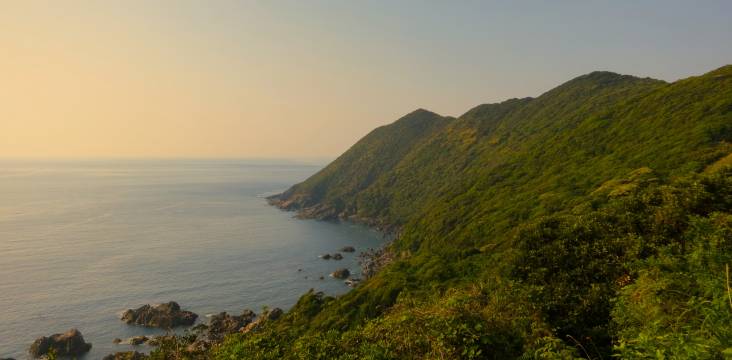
{"type": "Point", "coordinates": [307, 79]}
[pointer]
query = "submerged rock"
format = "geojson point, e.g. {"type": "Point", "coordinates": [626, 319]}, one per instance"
{"type": "Point", "coordinates": [325, 256]}
{"type": "Point", "coordinates": [70, 343]}
{"type": "Point", "coordinates": [348, 249]}
{"type": "Point", "coordinates": [137, 340]}
{"type": "Point", "coordinates": [341, 273]}
{"type": "Point", "coordinates": [337, 256]}
{"type": "Point", "coordinates": [168, 315]}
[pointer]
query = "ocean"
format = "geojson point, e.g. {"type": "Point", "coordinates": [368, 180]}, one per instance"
{"type": "Point", "coordinates": [83, 240]}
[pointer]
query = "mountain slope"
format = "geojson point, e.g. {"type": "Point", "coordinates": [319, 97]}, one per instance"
{"type": "Point", "coordinates": [329, 194]}
{"type": "Point", "coordinates": [592, 221]}
{"type": "Point", "coordinates": [500, 164]}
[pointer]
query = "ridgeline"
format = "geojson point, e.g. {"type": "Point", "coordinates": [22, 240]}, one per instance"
{"type": "Point", "coordinates": [592, 221]}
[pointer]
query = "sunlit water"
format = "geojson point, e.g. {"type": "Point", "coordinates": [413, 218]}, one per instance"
{"type": "Point", "coordinates": [81, 241]}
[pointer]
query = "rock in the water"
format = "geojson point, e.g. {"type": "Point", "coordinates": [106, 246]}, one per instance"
{"type": "Point", "coordinates": [137, 340]}
{"type": "Point", "coordinates": [159, 339]}
{"type": "Point", "coordinates": [117, 341]}
{"type": "Point", "coordinates": [70, 343]}
{"type": "Point", "coordinates": [166, 316]}
{"type": "Point", "coordinates": [341, 274]}
{"type": "Point", "coordinates": [348, 249]}
{"type": "Point", "coordinates": [224, 324]}
{"type": "Point", "coordinates": [125, 355]}
{"type": "Point", "coordinates": [353, 282]}
{"type": "Point", "coordinates": [325, 256]}
{"type": "Point", "coordinates": [337, 256]}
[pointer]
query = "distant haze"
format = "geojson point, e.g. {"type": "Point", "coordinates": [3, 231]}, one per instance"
{"type": "Point", "coordinates": [291, 79]}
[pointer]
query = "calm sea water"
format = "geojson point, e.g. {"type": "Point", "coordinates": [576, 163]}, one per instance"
{"type": "Point", "coordinates": [81, 241]}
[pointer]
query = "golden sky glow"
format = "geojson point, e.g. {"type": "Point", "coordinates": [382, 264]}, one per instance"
{"type": "Point", "coordinates": [281, 79]}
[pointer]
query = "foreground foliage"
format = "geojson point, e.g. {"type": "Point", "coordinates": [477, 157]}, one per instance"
{"type": "Point", "coordinates": [641, 276]}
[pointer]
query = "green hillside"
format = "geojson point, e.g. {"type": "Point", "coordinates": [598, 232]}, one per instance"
{"type": "Point", "coordinates": [329, 194]}
{"type": "Point", "coordinates": [592, 221]}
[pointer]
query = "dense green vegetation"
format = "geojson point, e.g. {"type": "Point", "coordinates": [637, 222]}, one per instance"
{"type": "Point", "coordinates": [329, 193]}
{"type": "Point", "coordinates": [590, 222]}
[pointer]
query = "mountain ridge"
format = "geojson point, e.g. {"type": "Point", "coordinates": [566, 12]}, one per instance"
{"type": "Point", "coordinates": [592, 221]}
{"type": "Point", "coordinates": [502, 123]}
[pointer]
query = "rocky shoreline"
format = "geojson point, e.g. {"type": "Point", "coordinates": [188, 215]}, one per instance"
{"type": "Point", "coordinates": [164, 316]}
{"type": "Point", "coordinates": [198, 339]}
{"type": "Point", "coordinates": [318, 211]}
{"type": "Point", "coordinates": [69, 344]}
{"type": "Point", "coordinates": [371, 260]}
{"type": "Point", "coordinates": [202, 337]}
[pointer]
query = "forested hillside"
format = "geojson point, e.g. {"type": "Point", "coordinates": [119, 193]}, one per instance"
{"type": "Point", "coordinates": [592, 221]}
{"type": "Point", "coordinates": [330, 194]}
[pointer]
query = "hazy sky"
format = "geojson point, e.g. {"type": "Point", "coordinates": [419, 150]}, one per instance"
{"type": "Point", "coordinates": [308, 78]}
